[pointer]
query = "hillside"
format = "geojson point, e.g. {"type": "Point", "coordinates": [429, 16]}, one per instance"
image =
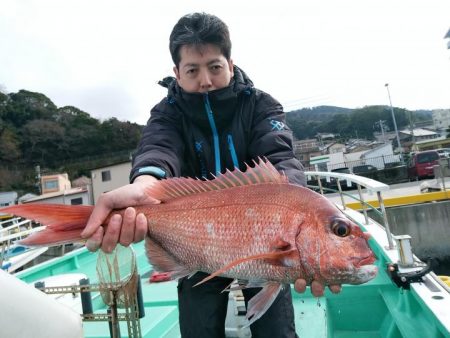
{"type": "Point", "coordinates": [33, 131]}
{"type": "Point", "coordinates": [307, 122]}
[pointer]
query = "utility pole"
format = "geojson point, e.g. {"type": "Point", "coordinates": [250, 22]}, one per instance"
{"type": "Point", "coordinates": [395, 122]}
{"type": "Point", "coordinates": [381, 124]}
{"type": "Point", "coordinates": [37, 168]}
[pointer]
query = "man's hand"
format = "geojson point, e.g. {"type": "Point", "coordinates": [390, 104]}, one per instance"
{"type": "Point", "coordinates": [317, 288]}
{"type": "Point", "coordinates": [130, 228]}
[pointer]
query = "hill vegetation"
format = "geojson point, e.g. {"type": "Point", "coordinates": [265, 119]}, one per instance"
{"type": "Point", "coordinates": [34, 131]}
{"type": "Point", "coordinates": [350, 123]}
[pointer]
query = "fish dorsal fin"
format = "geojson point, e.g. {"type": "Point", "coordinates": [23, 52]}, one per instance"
{"type": "Point", "coordinates": [262, 172]}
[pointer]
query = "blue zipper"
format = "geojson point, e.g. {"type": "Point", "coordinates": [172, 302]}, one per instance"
{"type": "Point", "coordinates": [232, 150]}
{"type": "Point", "coordinates": [215, 134]}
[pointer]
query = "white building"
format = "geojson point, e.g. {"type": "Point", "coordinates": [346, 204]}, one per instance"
{"type": "Point", "coordinates": [109, 178]}
{"type": "Point", "coordinates": [74, 196]}
{"type": "Point", "coordinates": [378, 157]}
{"type": "Point", "coordinates": [8, 198]}
{"type": "Point", "coordinates": [441, 118]}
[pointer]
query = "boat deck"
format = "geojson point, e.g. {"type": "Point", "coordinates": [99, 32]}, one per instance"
{"type": "Point", "coordinates": [374, 309]}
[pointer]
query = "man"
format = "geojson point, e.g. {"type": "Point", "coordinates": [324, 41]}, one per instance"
{"type": "Point", "coordinates": [212, 119]}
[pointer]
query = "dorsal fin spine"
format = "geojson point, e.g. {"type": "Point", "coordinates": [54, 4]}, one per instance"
{"type": "Point", "coordinates": [229, 181]}
{"type": "Point", "coordinates": [192, 186]}
{"type": "Point", "coordinates": [173, 190]}
{"type": "Point", "coordinates": [236, 177]}
{"type": "Point", "coordinates": [263, 172]}
{"type": "Point", "coordinates": [182, 187]}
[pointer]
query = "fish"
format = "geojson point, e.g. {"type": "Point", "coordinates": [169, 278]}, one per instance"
{"type": "Point", "coordinates": [253, 226]}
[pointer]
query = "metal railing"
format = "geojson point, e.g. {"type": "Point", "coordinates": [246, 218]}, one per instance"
{"type": "Point", "coordinates": [360, 182]}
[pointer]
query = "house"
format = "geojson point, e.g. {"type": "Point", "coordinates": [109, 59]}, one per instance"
{"type": "Point", "coordinates": [384, 152]}
{"type": "Point", "coordinates": [304, 149]}
{"type": "Point", "coordinates": [409, 137]}
{"type": "Point", "coordinates": [55, 183]}
{"type": "Point", "coordinates": [378, 156]}
{"type": "Point", "coordinates": [110, 177]}
{"type": "Point", "coordinates": [435, 143]}
{"type": "Point", "coordinates": [8, 198]}
{"type": "Point", "coordinates": [441, 118]}
{"type": "Point", "coordinates": [334, 148]}
{"type": "Point", "coordinates": [72, 196]}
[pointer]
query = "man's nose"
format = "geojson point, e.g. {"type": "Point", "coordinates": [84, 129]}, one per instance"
{"type": "Point", "coordinates": [205, 80]}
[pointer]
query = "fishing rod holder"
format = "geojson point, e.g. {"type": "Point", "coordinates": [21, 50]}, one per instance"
{"type": "Point", "coordinates": [407, 270]}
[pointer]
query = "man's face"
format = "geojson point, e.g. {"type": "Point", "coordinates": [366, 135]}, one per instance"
{"type": "Point", "coordinates": [203, 69]}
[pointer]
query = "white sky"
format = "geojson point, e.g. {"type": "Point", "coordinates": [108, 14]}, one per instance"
{"type": "Point", "coordinates": [105, 57]}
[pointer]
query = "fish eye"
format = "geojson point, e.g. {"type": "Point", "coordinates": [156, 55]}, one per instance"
{"type": "Point", "coordinates": [340, 228]}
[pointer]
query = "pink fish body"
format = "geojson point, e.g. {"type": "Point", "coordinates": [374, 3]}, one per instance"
{"type": "Point", "coordinates": [252, 226]}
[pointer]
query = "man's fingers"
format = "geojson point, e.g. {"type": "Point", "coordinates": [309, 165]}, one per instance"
{"type": "Point", "coordinates": [300, 285]}
{"type": "Point", "coordinates": [99, 214]}
{"type": "Point", "coordinates": [141, 228]}
{"type": "Point", "coordinates": [128, 227]}
{"type": "Point", "coordinates": [94, 242]}
{"type": "Point", "coordinates": [335, 288]}
{"type": "Point", "coordinates": [317, 288]}
{"type": "Point", "coordinates": [111, 237]}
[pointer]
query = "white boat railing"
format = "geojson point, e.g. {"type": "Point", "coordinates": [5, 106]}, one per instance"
{"type": "Point", "coordinates": [360, 182]}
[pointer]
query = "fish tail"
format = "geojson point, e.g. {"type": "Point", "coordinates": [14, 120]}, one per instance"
{"type": "Point", "coordinates": [64, 223]}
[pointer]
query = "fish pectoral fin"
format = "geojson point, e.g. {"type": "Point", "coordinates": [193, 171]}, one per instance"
{"type": "Point", "coordinates": [287, 258]}
{"type": "Point", "coordinates": [277, 258]}
{"type": "Point", "coordinates": [163, 261]}
{"type": "Point", "coordinates": [260, 303]}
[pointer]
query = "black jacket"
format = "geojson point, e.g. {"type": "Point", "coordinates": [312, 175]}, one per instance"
{"type": "Point", "coordinates": [195, 134]}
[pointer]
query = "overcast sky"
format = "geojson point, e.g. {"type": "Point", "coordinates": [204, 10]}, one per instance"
{"type": "Point", "coordinates": [105, 57]}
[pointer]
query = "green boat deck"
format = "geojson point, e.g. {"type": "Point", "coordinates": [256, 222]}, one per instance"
{"type": "Point", "coordinates": [375, 309]}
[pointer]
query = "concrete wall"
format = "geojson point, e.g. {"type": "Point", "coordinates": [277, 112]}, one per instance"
{"type": "Point", "coordinates": [428, 224]}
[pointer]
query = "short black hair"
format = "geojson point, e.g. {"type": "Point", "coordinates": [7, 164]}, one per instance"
{"type": "Point", "coordinates": [199, 29]}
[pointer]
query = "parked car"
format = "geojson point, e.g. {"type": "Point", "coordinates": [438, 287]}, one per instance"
{"type": "Point", "coordinates": [421, 164]}
{"type": "Point", "coordinates": [333, 183]}
{"type": "Point", "coordinates": [444, 152]}
{"type": "Point", "coordinates": [362, 169]}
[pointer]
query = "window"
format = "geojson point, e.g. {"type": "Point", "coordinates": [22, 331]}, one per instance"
{"type": "Point", "coordinates": [76, 201]}
{"type": "Point", "coordinates": [106, 175]}
{"type": "Point", "coordinates": [51, 185]}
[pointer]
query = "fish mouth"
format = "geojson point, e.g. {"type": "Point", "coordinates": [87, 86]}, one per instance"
{"type": "Point", "coordinates": [360, 262]}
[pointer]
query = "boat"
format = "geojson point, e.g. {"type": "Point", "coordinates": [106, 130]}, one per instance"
{"type": "Point", "coordinates": [406, 299]}
{"type": "Point", "coordinates": [14, 256]}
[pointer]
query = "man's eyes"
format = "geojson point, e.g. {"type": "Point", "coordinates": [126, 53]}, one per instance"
{"type": "Point", "coordinates": [216, 68]}
{"type": "Point", "coordinates": [213, 69]}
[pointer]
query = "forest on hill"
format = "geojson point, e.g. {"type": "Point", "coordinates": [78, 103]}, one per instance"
{"type": "Point", "coordinates": [350, 123]}
{"type": "Point", "coordinates": [34, 131]}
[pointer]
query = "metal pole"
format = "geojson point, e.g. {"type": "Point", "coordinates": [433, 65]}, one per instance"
{"type": "Point", "coordinates": [395, 122]}
{"type": "Point", "coordinates": [366, 218]}
{"type": "Point", "coordinates": [385, 221]}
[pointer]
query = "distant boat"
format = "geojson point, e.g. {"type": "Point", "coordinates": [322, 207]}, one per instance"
{"type": "Point", "coordinates": [16, 256]}
{"type": "Point", "coordinates": [12, 255]}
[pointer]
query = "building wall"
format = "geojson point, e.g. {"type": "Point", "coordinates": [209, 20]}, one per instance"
{"type": "Point", "coordinates": [54, 183]}
{"type": "Point", "coordinates": [109, 178]}
{"type": "Point", "coordinates": [81, 197]}
{"type": "Point", "coordinates": [8, 198]}
{"type": "Point", "coordinates": [441, 118]}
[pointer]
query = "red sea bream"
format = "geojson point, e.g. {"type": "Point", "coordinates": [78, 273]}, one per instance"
{"type": "Point", "coordinates": [253, 226]}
